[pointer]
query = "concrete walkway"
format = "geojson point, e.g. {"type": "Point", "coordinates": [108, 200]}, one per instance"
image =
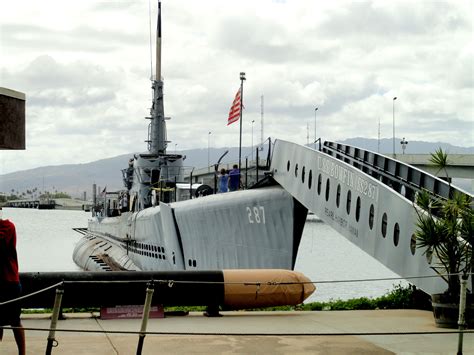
{"type": "Point", "coordinates": [249, 333]}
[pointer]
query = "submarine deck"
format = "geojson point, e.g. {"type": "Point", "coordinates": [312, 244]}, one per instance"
{"type": "Point", "coordinates": [323, 332]}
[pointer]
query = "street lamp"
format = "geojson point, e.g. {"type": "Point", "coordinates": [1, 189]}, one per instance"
{"type": "Point", "coordinates": [393, 112]}
{"type": "Point", "coordinates": [404, 145]}
{"type": "Point", "coordinates": [315, 110]}
{"type": "Point", "coordinates": [175, 151]}
{"type": "Point", "coordinates": [252, 137]}
{"type": "Point", "coordinates": [208, 157]}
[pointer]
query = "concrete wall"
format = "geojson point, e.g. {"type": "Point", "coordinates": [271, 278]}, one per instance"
{"type": "Point", "coordinates": [12, 119]}
{"type": "Point", "coordinates": [459, 165]}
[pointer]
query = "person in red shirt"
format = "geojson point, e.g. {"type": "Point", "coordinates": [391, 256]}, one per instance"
{"type": "Point", "coordinates": [10, 287]}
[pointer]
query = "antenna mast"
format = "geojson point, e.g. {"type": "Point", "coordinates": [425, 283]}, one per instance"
{"type": "Point", "coordinates": [158, 45]}
{"type": "Point", "coordinates": [157, 136]}
{"type": "Point", "coordinates": [261, 120]}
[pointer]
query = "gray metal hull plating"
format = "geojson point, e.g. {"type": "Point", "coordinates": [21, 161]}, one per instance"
{"type": "Point", "coordinates": [243, 229]}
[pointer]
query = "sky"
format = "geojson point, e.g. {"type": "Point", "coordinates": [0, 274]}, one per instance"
{"type": "Point", "coordinates": [85, 67]}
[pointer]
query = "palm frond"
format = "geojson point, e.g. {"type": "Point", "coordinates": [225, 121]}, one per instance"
{"type": "Point", "coordinates": [428, 203]}
{"type": "Point", "coordinates": [439, 159]}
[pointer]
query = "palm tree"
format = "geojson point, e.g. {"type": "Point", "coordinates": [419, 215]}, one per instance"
{"type": "Point", "coordinates": [439, 159]}
{"type": "Point", "coordinates": [445, 227]}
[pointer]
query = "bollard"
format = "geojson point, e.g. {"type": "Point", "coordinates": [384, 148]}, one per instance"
{"type": "Point", "coordinates": [462, 310]}
{"type": "Point", "coordinates": [54, 320]}
{"type": "Point", "coordinates": [146, 313]}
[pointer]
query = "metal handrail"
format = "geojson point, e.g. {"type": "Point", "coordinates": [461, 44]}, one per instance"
{"type": "Point", "coordinates": [392, 172]}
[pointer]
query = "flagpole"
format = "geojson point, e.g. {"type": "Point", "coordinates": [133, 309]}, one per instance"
{"type": "Point", "coordinates": [242, 78]}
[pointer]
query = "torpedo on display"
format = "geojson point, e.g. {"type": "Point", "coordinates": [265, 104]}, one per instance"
{"type": "Point", "coordinates": [230, 289]}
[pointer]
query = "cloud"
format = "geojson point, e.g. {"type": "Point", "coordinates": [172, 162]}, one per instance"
{"type": "Point", "coordinates": [402, 19]}
{"type": "Point", "coordinates": [46, 39]}
{"type": "Point", "coordinates": [85, 68]}
{"type": "Point", "coordinates": [45, 73]}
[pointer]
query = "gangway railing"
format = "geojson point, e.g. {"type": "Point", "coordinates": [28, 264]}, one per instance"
{"type": "Point", "coordinates": [401, 177]}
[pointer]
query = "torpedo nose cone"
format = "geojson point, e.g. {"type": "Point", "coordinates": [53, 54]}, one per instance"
{"type": "Point", "coordinates": [265, 288]}
{"type": "Point", "coordinates": [308, 286]}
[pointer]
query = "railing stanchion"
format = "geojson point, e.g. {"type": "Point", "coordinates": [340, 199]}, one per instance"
{"type": "Point", "coordinates": [462, 310]}
{"type": "Point", "coordinates": [146, 312]}
{"type": "Point", "coordinates": [54, 320]}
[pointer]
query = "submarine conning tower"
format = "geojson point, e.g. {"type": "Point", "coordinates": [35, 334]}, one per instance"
{"type": "Point", "coordinates": [154, 171]}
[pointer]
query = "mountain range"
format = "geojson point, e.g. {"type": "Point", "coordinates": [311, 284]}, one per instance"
{"type": "Point", "coordinates": [75, 179]}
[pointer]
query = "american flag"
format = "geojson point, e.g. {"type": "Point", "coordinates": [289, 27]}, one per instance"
{"type": "Point", "coordinates": [234, 112]}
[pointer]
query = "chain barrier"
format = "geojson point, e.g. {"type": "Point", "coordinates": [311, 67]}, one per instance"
{"type": "Point", "coordinates": [52, 342]}
{"type": "Point", "coordinates": [171, 283]}
{"type": "Point", "coordinates": [133, 332]}
{"type": "Point", "coordinates": [31, 294]}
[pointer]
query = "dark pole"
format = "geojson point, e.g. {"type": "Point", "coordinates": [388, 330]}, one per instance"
{"type": "Point", "coordinates": [191, 185]}
{"type": "Point", "coordinates": [269, 156]}
{"type": "Point", "coordinates": [242, 78]}
{"type": "Point", "coordinates": [256, 164]}
{"type": "Point", "coordinates": [393, 122]}
{"type": "Point", "coordinates": [246, 170]}
{"type": "Point", "coordinates": [315, 110]}
{"type": "Point", "coordinates": [216, 167]}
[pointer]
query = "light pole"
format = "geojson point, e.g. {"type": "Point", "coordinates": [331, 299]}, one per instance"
{"type": "Point", "coordinates": [252, 137]}
{"type": "Point", "coordinates": [315, 110]}
{"type": "Point", "coordinates": [393, 112]}
{"type": "Point", "coordinates": [404, 145]}
{"type": "Point", "coordinates": [175, 151]}
{"type": "Point", "coordinates": [208, 157]}
{"type": "Point", "coordinates": [242, 79]}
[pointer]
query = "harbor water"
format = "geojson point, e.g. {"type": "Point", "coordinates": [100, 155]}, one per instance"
{"type": "Point", "coordinates": [46, 242]}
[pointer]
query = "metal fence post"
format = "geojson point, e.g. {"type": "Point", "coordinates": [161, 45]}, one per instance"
{"type": "Point", "coordinates": [462, 310]}
{"type": "Point", "coordinates": [54, 320]}
{"type": "Point", "coordinates": [146, 312]}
